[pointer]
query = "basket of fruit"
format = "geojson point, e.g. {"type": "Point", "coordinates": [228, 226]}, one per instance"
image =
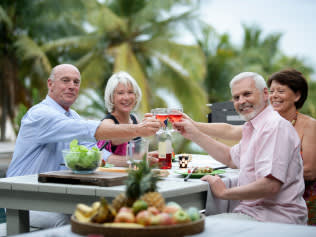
{"type": "Point", "coordinates": [140, 211]}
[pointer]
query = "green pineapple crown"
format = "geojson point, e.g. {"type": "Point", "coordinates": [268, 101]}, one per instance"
{"type": "Point", "coordinates": [141, 180]}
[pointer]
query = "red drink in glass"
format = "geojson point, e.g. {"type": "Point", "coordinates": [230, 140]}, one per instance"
{"type": "Point", "coordinates": [175, 117]}
{"type": "Point", "coordinates": [162, 117]}
{"type": "Point", "coordinates": [165, 163]}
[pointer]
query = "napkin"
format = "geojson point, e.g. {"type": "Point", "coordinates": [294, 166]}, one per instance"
{"type": "Point", "coordinates": [215, 205]}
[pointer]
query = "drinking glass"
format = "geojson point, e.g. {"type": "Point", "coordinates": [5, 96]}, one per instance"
{"type": "Point", "coordinates": [136, 150]}
{"type": "Point", "coordinates": [162, 115]}
{"type": "Point", "coordinates": [175, 115]}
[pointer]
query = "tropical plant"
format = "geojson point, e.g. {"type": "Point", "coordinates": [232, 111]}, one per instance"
{"type": "Point", "coordinates": [138, 36]}
{"type": "Point", "coordinates": [257, 53]}
{"type": "Point", "coordinates": [219, 55]}
{"type": "Point", "coordinates": [24, 25]}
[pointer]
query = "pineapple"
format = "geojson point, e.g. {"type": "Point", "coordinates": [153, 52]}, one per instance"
{"type": "Point", "coordinates": [141, 184]}
{"type": "Point", "coordinates": [154, 199]}
{"type": "Point", "coordinates": [121, 201]}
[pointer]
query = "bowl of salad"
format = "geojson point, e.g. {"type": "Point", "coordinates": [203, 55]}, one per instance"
{"type": "Point", "coordinates": [80, 159]}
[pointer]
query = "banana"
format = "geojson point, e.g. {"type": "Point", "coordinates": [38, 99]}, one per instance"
{"type": "Point", "coordinates": [96, 205]}
{"type": "Point", "coordinates": [80, 217]}
{"type": "Point", "coordinates": [111, 215]}
{"type": "Point", "coordinates": [102, 212]}
{"type": "Point", "coordinates": [123, 225]}
{"type": "Point", "coordinates": [84, 209]}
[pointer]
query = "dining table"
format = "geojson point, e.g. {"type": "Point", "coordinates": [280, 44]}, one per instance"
{"type": "Point", "coordinates": [21, 194]}
{"type": "Point", "coordinates": [214, 226]}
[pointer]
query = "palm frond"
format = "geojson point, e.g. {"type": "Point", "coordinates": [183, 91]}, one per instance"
{"type": "Point", "coordinates": [187, 60]}
{"type": "Point", "coordinates": [83, 42]}
{"type": "Point", "coordinates": [27, 50]}
{"type": "Point", "coordinates": [5, 18]}
{"type": "Point", "coordinates": [94, 70]}
{"type": "Point", "coordinates": [102, 17]}
{"type": "Point", "coordinates": [189, 92]}
{"type": "Point", "coordinates": [125, 60]}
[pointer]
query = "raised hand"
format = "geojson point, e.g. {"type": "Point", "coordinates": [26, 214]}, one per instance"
{"type": "Point", "coordinates": [148, 127]}
{"type": "Point", "coordinates": [186, 128]}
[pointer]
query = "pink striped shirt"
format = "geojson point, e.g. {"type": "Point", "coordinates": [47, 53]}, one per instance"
{"type": "Point", "coordinates": [271, 146]}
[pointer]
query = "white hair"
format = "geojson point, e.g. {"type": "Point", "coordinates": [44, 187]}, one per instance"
{"type": "Point", "coordinates": [125, 79]}
{"type": "Point", "coordinates": [58, 67]}
{"type": "Point", "coordinates": [257, 78]}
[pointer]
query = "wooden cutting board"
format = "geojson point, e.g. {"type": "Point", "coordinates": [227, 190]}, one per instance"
{"type": "Point", "coordinates": [104, 179]}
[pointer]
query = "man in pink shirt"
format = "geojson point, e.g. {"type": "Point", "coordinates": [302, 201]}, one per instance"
{"type": "Point", "coordinates": [271, 183]}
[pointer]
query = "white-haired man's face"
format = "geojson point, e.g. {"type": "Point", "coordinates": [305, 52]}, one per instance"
{"type": "Point", "coordinates": [248, 100]}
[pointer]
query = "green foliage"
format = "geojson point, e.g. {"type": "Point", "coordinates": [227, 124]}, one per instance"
{"type": "Point", "coordinates": [141, 180]}
{"type": "Point", "coordinates": [24, 26]}
{"type": "Point", "coordinates": [127, 7]}
{"type": "Point", "coordinates": [22, 109]}
{"type": "Point", "coordinates": [137, 36]}
{"type": "Point", "coordinates": [257, 53]}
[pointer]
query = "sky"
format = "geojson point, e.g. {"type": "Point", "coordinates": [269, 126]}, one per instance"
{"type": "Point", "coordinates": [295, 19]}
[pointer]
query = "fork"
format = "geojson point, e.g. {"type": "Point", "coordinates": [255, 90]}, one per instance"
{"type": "Point", "coordinates": [189, 175]}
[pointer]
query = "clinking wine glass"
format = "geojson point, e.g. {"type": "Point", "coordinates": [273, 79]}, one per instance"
{"type": "Point", "coordinates": [174, 115]}
{"type": "Point", "coordinates": [162, 115]}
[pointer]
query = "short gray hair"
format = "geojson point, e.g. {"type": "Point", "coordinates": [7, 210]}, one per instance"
{"type": "Point", "coordinates": [57, 67]}
{"type": "Point", "coordinates": [257, 78]}
{"type": "Point", "coordinates": [125, 79]}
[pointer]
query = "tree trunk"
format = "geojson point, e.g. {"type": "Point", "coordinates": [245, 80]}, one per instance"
{"type": "Point", "coordinates": [8, 85]}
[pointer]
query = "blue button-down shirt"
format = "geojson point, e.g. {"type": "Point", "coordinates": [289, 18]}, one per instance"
{"type": "Point", "coordinates": [47, 129]}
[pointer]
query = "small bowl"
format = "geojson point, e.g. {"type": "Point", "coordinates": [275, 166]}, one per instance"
{"type": "Point", "coordinates": [82, 162]}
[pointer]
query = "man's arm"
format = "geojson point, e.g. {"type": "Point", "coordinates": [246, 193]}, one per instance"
{"type": "Point", "coordinates": [264, 187]}
{"type": "Point", "coordinates": [217, 150]}
{"type": "Point", "coordinates": [148, 127]}
{"type": "Point", "coordinates": [221, 130]}
{"type": "Point", "coordinates": [218, 130]}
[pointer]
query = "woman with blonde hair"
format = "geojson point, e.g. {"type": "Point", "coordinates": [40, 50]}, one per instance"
{"type": "Point", "coordinates": [122, 96]}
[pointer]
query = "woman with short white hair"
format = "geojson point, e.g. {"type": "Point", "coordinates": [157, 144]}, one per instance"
{"type": "Point", "coordinates": [122, 96]}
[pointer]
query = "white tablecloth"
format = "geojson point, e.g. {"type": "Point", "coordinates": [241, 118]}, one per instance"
{"type": "Point", "coordinates": [214, 226]}
{"type": "Point", "coordinates": [230, 178]}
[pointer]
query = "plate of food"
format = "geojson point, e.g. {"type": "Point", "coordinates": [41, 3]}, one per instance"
{"type": "Point", "coordinates": [200, 172]}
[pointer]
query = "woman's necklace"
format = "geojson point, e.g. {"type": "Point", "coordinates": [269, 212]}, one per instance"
{"type": "Point", "coordinates": [294, 120]}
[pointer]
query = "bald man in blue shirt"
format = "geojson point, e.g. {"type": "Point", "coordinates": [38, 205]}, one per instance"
{"type": "Point", "coordinates": [48, 128]}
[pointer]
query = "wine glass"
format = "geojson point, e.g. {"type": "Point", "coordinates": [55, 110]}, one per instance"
{"type": "Point", "coordinates": [136, 150]}
{"type": "Point", "coordinates": [174, 115]}
{"type": "Point", "coordinates": [162, 115]}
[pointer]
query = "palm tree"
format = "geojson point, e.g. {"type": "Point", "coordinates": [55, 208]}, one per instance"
{"type": "Point", "coordinates": [23, 65]}
{"type": "Point", "coordinates": [137, 36]}
{"type": "Point", "coordinates": [257, 53]}
{"type": "Point", "coordinates": [219, 53]}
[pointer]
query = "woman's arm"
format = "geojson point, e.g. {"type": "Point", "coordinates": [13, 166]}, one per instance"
{"type": "Point", "coordinates": [116, 141]}
{"type": "Point", "coordinates": [117, 160]}
{"type": "Point", "coordinates": [308, 148]}
{"type": "Point", "coordinates": [120, 161]}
